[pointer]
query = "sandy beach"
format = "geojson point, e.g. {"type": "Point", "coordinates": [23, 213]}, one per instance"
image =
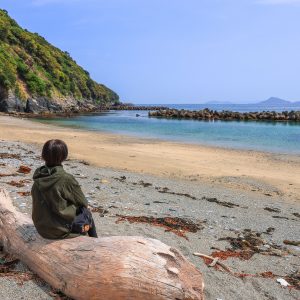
{"type": "Point", "coordinates": [247, 170]}
{"type": "Point", "coordinates": [232, 196]}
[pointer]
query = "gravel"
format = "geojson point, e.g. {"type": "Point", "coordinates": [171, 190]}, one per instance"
{"type": "Point", "coordinates": [132, 194]}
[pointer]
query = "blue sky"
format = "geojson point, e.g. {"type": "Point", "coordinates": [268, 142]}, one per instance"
{"type": "Point", "coordinates": [176, 51]}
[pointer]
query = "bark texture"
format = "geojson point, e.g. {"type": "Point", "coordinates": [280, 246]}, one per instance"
{"type": "Point", "coordinates": [110, 268]}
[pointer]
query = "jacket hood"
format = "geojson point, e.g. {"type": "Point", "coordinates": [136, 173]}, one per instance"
{"type": "Point", "coordinates": [45, 177]}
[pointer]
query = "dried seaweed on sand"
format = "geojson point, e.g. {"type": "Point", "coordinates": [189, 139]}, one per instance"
{"type": "Point", "coordinates": [24, 170]}
{"type": "Point", "coordinates": [177, 225]}
{"type": "Point", "coordinates": [250, 242]}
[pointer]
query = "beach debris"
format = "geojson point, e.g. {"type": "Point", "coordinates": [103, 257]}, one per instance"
{"type": "Point", "coordinates": [223, 203]}
{"type": "Point", "coordinates": [272, 209]}
{"type": "Point", "coordinates": [214, 262]}
{"type": "Point", "coordinates": [18, 184]}
{"type": "Point", "coordinates": [232, 217]}
{"type": "Point", "coordinates": [280, 217]}
{"type": "Point", "coordinates": [58, 295]}
{"type": "Point", "coordinates": [293, 243]}
{"type": "Point", "coordinates": [251, 242]}
{"type": "Point", "coordinates": [7, 175]}
{"type": "Point", "coordinates": [19, 276]}
{"type": "Point", "coordinates": [283, 282]}
{"type": "Point", "coordinates": [163, 189]}
{"type": "Point", "coordinates": [224, 255]}
{"type": "Point", "coordinates": [104, 181]}
{"type": "Point", "coordinates": [99, 209]}
{"type": "Point", "coordinates": [293, 280]}
{"type": "Point", "coordinates": [7, 265]}
{"type": "Point", "coordinates": [24, 169]}
{"type": "Point", "coordinates": [9, 155]}
{"type": "Point", "coordinates": [166, 190]}
{"type": "Point", "coordinates": [84, 162]}
{"type": "Point", "coordinates": [113, 206]}
{"type": "Point", "coordinates": [24, 194]}
{"type": "Point", "coordinates": [296, 215]}
{"type": "Point", "coordinates": [211, 261]}
{"type": "Point", "coordinates": [269, 230]}
{"type": "Point", "coordinates": [121, 178]}
{"type": "Point", "coordinates": [82, 176]}
{"type": "Point", "coordinates": [142, 183]}
{"type": "Point", "coordinates": [7, 262]}
{"type": "Point", "coordinates": [178, 226]}
{"type": "Point", "coordinates": [2, 164]}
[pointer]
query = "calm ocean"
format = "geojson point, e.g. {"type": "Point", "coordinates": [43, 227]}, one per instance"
{"type": "Point", "coordinates": [280, 137]}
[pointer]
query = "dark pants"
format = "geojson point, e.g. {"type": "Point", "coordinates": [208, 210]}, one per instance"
{"type": "Point", "coordinates": [84, 217]}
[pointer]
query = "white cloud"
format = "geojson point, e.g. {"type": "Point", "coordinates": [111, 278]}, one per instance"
{"type": "Point", "coordinates": [278, 2]}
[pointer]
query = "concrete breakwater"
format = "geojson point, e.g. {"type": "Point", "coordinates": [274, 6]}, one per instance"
{"type": "Point", "coordinates": [207, 114]}
{"type": "Point", "coordinates": [136, 107]}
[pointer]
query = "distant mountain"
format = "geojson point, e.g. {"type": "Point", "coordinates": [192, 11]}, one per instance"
{"type": "Point", "coordinates": [273, 101]}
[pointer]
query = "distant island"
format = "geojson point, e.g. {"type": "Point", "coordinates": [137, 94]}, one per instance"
{"type": "Point", "coordinates": [35, 76]}
{"type": "Point", "coordinates": [273, 101]}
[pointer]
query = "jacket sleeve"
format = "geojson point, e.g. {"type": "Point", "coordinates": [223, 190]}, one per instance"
{"type": "Point", "coordinates": [74, 194]}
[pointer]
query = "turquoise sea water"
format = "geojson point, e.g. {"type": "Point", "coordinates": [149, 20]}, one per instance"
{"type": "Point", "coordinates": [279, 137]}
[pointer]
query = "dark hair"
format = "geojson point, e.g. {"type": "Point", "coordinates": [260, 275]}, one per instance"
{"type": "Point", "coordinates": [54, 152]}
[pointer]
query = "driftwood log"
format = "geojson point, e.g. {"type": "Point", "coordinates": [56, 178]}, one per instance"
{"type": "Point", "coordinates": [109, 268]}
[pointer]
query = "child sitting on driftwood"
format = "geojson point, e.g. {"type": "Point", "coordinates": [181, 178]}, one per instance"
{"type": "Point", "coordinates": [59, 208]}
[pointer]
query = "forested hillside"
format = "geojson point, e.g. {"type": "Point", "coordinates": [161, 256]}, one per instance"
{"type": "Point", "coordinates": [31, 68]}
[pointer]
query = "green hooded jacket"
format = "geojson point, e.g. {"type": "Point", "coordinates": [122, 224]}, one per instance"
{"type": "Point", "coordinates": [56, 195]}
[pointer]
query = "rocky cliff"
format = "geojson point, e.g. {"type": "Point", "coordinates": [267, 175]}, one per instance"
{"type": "Point", "coordinates": [35, 76]}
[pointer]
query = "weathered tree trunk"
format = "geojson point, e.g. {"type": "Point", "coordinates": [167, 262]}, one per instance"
{"type": "Point", "coordinates": [109, 268]}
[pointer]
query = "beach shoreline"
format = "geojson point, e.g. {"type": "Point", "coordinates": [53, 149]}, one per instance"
{"type": "Point", "coordinates": [224, 217]}
{"type": "Point", "coordinates": [246, 170]}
